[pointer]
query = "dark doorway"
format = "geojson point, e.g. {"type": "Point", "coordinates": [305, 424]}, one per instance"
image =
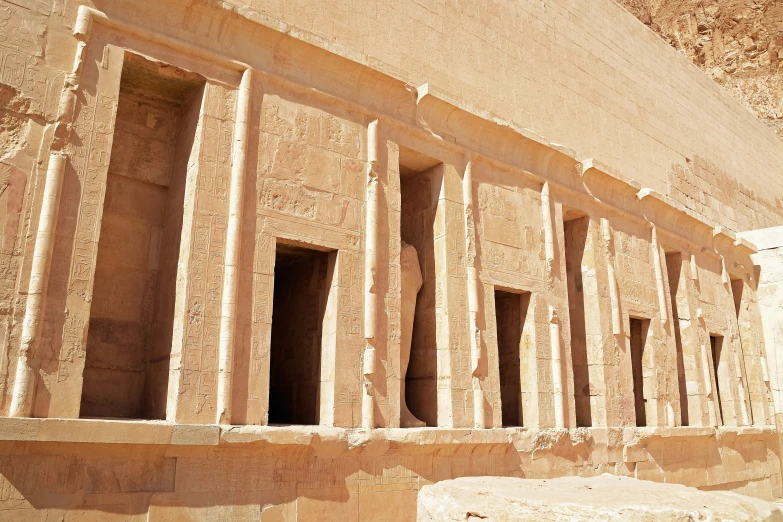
{"type": "Point", "coordinates": [300, 295]}
{"type": "Point", "coordinates": [511, 312]}
{"type": "Point", "coordinates": [638, 339]}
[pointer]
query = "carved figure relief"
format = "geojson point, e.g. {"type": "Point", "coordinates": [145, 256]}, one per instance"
{"type": "Point", "coordinates": [411, 284]}
{"type": "Point", "coordinates": [12, 185]}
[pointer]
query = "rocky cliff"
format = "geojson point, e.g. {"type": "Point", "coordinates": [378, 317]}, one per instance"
{"type": "Point", "coordinates": [739, 43]}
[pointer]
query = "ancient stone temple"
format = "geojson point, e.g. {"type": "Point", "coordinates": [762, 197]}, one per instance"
{"type": "Point", "coordinates": [294, 260]}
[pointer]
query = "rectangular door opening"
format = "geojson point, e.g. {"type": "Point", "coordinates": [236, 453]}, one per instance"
{"type": "Point", "coordinates": [417, 228]}
{"type": "Point", "coordinates": [511, 313]}
{"type": "Point", "coordinates": [575, 228]}
{"type": "Point", "coordinates": [132, 312]}
{"type": "Point", "coordinates": [673, 271]}
{"type": "Point", "coordinates": [719, 370]}
{"type": "Point", "coordinates": [301, 289]}
{"type": "Point", "coordinates": [639, 329]}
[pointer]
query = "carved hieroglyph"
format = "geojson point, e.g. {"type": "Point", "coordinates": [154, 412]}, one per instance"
{"type": "Point", "coordinates": [239, 215]}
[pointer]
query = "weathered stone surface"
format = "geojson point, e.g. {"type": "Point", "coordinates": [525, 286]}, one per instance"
{"type": "Point", "coordinates": [288, 260]}
{"type": "Point", "coordinates": [737, 42]}
{"type": "Point", "coordinates": [602, 498]}
{"type": "Point", "coordinates": [411, 284]}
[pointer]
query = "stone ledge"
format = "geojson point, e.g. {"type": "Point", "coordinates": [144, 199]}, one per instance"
{"type": "Point", "coordinates": [328, 440]}
{"type": "Point", "coordinates": [104, 431]}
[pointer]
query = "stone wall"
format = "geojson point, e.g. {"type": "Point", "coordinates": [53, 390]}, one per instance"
{"type": "Point", "coordinates": [770, 302]}
{"type": "Point", "coordinates": [587, 76]}
{"type": "Point", "coordinates": [120, 470]}
{"type": "Point", "coordinates": [204, 217]}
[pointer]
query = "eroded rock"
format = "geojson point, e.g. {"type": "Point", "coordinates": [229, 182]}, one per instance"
{"type": "Point", "coordinates": [607, 497]}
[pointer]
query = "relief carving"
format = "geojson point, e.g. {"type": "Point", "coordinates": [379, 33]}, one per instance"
{"type": "Point", "coordinates": [411, 284]}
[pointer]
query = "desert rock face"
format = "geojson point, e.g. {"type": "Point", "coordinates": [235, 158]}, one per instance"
{"type": "Point", "coordinates": [598, 499]}
{"type": "Point", "coordinates": [739, 43]}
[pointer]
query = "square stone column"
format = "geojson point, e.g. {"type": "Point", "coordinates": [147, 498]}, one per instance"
{"type": "Point", "coordinates": [719, 317]}
{"type": "Point", "coordinates": [769, 298]}
{"type": "Point", "coordinates": [439, 376]}
{"type": "Point", "coordinates": [754, 350]}
{"type": "Point", "coordinates": [643, 295]}
{"type": "Point", "coordinates": [454, 388]}
{"type": "Point", "coordinates": [600, 343]}
{"type": "Point", "coordinates": [193, 369]}
{"type": "Point", "coordinates": [701, 407]}
{"type": "Point", "coordinates": [60, 355]}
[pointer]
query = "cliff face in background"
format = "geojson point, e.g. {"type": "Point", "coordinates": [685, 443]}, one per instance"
{"type": "Point", "coordinates": [739, 43]}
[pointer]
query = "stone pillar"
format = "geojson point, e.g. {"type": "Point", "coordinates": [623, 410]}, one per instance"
{"type": "Point", "coordinates": [478, 357]}
{"type": "Point", "coordinates": [371, 279]}
{"type": "Point", "coordinates": [91, 112]}
{"type": "Point", "coordinates": [616, 350]}
{"type": "Point", "coordinates": [769, 299]}
{"type": "Point", "coordinates": [26, 367]}
{"type": "Point", "coordinates": [694, 345]}
{"type": "Point", "coordinates": [666, 364]}
{"type": "Point", "coordinates": [751, 335]}
{"type": "Point", "coordinates": [455, 375]}
{"type": "Point", "coordinates": [228, 311]}
{"type": "Point", "coordinates": [192, 390]}
{"type": "Point", "coordinates": [600, 344]}
{"type": "Point", "coordinates": [554, 279]}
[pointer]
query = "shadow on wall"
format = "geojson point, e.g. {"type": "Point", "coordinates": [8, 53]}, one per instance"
{"type": "Point", "coordinates": [293, 480]}
{"type": "Point", "coordinates": [239, 482]}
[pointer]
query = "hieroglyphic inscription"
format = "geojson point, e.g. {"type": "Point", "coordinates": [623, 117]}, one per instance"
{"type": "Point", "coordinates": [350, 294]}
{"type": "Point", "coordinates": [634, 269]}
{"type": "Point", "coordinates": [199, 361]}
{"type": "Point", "coordinates": [511, 244]}
{"type": "Point", "coordinates": [23, 26]}
{"type": "Point", "coordinates": [350, 310]}
{"type": "Point", "coordinates": [94, 126]}
{"type": "Point", "coordinates": [199, 364]}
{"type": "Point", "coordinates": [12, 188]}
{"type": "Point", "coordinates": [215, 158]}
{"type": "Point", "coordinates": [89, 149]}
{"type": "Point", "coordinates": [309, 164]}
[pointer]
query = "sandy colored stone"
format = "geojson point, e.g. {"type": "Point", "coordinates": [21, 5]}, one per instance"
{"type": "Point", "coordinates": [573, 498]}
{"type": "Point", "coordinates": [411, 284]}
{"type": "Point", "coordinates": [739, 43]}
{"type": "Point", "coordinates": [294, 260]}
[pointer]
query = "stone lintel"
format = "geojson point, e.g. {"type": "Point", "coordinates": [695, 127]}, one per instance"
{"type": "Point", "coordinates": [88, 16]}
{"type": "Point", "coordinates": [339, 440]}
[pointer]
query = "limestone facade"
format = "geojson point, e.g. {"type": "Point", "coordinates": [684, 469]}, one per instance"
{"type": "Point", "coordinates": [209, 302]}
